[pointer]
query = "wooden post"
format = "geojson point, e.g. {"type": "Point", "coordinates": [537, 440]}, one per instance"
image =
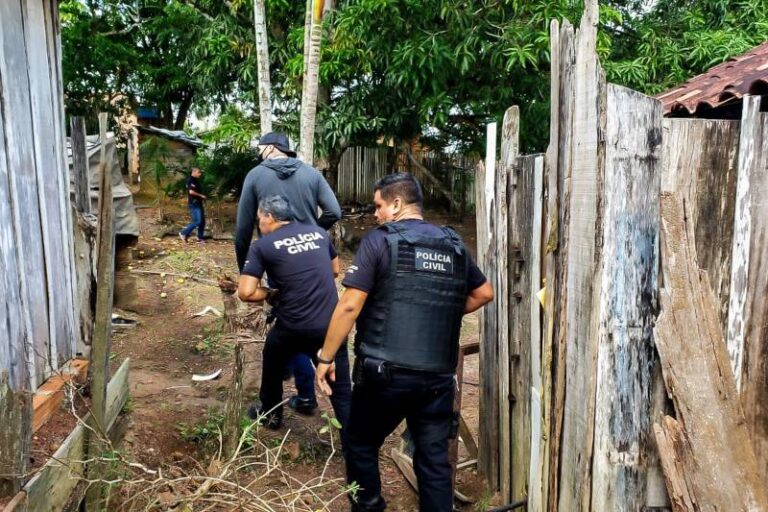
{"type": "Point", "coordinates": [559, 211]}
{"type": "Point", "coordinates": [748, 311]}
{"type": "Point", "coordinates": [506, 348]}
{"type": "Point", "coordinates": [80, 173]}
{"type": "Point", "coordinates": [453, 448]}
{"type": "Point", "coordinates": [103, 321]}
{"type": "Point", "coordinates": [233, 410]}
{"type": "Point", "coordinates": [488, 459]}
{"type": "Point", "coordinates": [15, 436]}
{"type": "Point", "coordinates": [706, 451]}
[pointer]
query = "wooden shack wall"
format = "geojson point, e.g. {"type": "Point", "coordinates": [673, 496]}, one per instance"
{"type": "Point", "coordinates": [38, 325]}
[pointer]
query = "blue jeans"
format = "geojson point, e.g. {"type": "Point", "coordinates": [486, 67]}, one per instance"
{"type": "Point", "coordinates": [198, 221]}
{"type": "Point", "coordinates": [304, 376]}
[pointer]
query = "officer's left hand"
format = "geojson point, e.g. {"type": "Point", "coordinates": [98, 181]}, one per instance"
{"type": "Point", "coordinates": [323, 374]}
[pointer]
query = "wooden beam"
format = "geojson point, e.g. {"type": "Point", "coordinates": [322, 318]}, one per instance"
{"type": "Point", "coordinates": [431, 177]}
{"type": "Point", "coordinates": [80, 172]}
{"type": "Point", "coordinates": [50, 489]}
{"type": "Point", "coordinates": [49, 397]}
{"type": "Point", "coordinates": [102, 332]}
{"type": "Point", "coordinates": [715, 450]}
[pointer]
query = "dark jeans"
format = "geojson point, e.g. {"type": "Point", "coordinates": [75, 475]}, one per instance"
{"type": "Point", "coordinates": [281, 345]}
{"type": "Point", "coordinates": [304, 376]}
{"type": "Point", "coordinates": [425, 401]}
{"type": "Point", "coordinates": [198, 221]}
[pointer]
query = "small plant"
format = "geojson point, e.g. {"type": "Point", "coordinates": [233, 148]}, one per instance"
{"type": "Point", "coordinates": [484, 502]}
{"type": "Point", "coordinates": [204, 432]}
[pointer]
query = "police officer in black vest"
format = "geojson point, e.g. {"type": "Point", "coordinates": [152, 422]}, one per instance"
{"type": "Point", "coordinates": [408, 288]}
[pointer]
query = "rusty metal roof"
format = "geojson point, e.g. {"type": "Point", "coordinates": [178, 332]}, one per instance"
{"type": "Point", "coordinates": [723, 84]}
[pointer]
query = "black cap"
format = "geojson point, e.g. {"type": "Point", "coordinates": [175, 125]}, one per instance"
{"type": "Point", "coordinates": [279, 140]}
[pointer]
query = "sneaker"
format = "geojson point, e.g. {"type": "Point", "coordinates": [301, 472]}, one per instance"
{"type": "Point", "coordinates": [200, 241]}
{"type": "Point", "coordinates": [305, 406]}
{"type": "Point", "coordinates": [183, 238]}
{"type": "Point", "coordinates": [272, 420]}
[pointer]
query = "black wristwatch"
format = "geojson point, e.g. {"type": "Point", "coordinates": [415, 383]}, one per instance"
{"type": "Point", "coordinates": [321, 360]}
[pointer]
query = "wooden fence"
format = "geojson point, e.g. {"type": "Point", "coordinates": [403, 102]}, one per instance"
{"type": "Point", "coordinates": [447, 180]}
{"type": "Point", "coordinates": [601, 388]}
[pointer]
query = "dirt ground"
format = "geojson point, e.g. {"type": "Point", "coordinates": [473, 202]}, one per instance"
{"type": "Point", "coordinates": [168, 345]}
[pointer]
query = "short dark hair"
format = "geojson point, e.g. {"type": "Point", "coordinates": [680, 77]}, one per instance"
{"type": "Point", "coordinates": [277, 206]}
{"type": "Point", "coordinates": [400, 184]}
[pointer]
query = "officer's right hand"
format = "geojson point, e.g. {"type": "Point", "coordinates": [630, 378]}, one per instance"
{"type": "Point", "coordinates": [323, 374]}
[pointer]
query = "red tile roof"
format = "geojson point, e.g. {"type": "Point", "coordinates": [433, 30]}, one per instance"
{"type": "Point", "coordinates": [721, 85]}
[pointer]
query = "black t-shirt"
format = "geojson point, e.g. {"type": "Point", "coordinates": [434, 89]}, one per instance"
{"type": "Point", "coordinates": [371, 263]}
{"type": "Point", "coordinates": [297, 258]}
{"type": "Point", "coordinates": [194, 184]}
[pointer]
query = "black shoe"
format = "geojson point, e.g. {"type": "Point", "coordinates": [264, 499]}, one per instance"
{"type": "Point", "coordinates": [376, 504]}
{"type": "Point", "coordinates": [305, 406]}
{"type": "Point", "coordinates": [271, 420]}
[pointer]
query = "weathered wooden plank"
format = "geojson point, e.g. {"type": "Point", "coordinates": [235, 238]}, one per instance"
{"type": "Point", "coordinates": [507, 348]}
{"type": "Point", "coordinates": [44, 103]}
{"type": "Point", "coordinates": [13, 344]}
{"type": "Point", "coordinates": [522, 227]}
{"type": "Point", "coordinates": [15, 436]}
{"type": "Point", "coordinates": [559, 190]}
{"type": "Point", "coordinates": [50, 489]}
{"type": "Point", "coordinates": [80, 174]}
{"type": "Point", "coordinates": [24, 197]}
{"type": "Point", "coordinates": [583, 280]}
{"type": "Point", "coordinates": [670, 440]}
{"type": "Point", "coordinates": [706, 176]}
{"type": "Point", "coordinates": [534, 339]}
{"type": "Point", "coordinates": [748, 312]}
{"type": "Point", "coordinates": [720, 467]}
{"type": "Point", "coordinates": [624, 457]}
{"type": "Point", "coordinates": [488, 460]}
{"type": "Point", "coordinates": [539, 490]}
{"type": "Point", "coordinates": [51, 10]}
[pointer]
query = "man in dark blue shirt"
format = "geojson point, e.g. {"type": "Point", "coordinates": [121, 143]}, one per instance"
{"type": "Point", "coordinates": [302, 264]}
{"type": "Point", "coordinates": [408, 288]}
{"type": "Point", "coordinates": [195, 200]}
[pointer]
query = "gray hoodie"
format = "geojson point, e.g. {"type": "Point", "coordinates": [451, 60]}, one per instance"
{"type": "Point", "coordinates": [303, 186]}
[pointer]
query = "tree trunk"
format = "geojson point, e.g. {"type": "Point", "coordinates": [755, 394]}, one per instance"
{"type": "Point", "coordinates": [262, 58]}
{"type": "Point", "coordinates": [181, 117]}
{"type": "Point", "coordinates": [310, 86]}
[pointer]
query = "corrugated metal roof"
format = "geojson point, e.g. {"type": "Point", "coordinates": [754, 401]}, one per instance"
{"type": "Point", "coordinates": [721, 85]}
{"type": "Point", "coordinates": [177, 135]}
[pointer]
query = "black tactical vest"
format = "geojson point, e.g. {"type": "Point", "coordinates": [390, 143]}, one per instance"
{"type": "Point", "coordinates": [412, 319]}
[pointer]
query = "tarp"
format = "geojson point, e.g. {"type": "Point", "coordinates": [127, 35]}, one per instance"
{"type": "Point", "coordinates": [126, 220]}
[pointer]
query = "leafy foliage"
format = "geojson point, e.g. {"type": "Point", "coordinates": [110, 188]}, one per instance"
{"type": "Point", "coordinates": [390, 69]}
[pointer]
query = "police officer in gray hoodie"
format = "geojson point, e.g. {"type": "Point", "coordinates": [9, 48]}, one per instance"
{"type": "Point", "coordinates": [282, 174]}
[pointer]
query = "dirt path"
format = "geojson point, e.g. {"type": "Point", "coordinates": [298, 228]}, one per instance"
{"type": "Point", "coordinates": [168, 345]}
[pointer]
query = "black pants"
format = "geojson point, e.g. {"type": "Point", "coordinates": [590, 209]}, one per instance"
{"type": "Point", "coordinates": [281, 345]}
{"type": "Point", "coordinates": [425, 401]}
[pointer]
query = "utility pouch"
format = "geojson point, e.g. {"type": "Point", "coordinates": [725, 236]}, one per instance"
{"type": "Point", "coordinates": [370, 371]}
{"type": "Point", "coordinates": [454, 431]}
